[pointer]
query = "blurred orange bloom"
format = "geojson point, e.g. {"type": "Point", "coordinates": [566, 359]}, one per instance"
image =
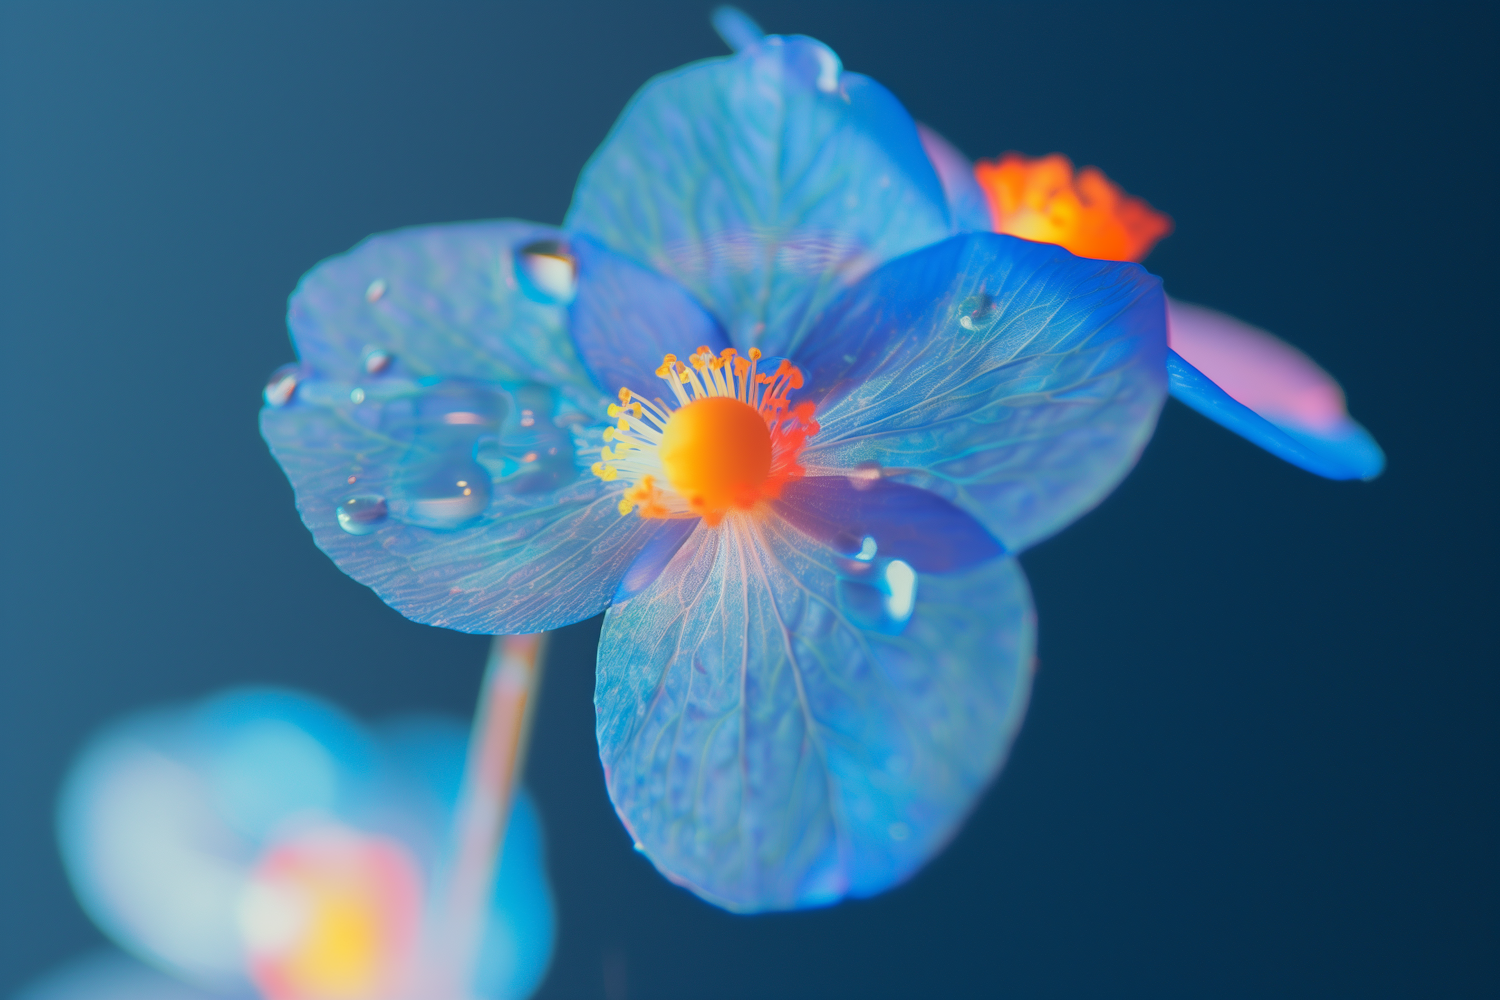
{"type": "Point", "coordinates": [1085, 213]}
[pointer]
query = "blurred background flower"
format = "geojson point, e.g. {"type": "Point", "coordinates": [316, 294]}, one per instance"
{"type": "Point", "coordinates": [263, 843]}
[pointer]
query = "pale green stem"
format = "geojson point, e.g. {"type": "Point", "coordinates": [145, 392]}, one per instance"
{"type": "Point", "coordinates": [492, 776]}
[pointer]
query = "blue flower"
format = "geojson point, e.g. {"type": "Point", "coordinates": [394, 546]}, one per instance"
{"type": "Point", "coordinates": [765, 401]}
{"type": "Point", "coordinates": [262, 837]}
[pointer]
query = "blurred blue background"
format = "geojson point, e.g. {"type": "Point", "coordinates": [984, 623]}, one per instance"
{"type": "Point", "coordinates": [1261, 756]}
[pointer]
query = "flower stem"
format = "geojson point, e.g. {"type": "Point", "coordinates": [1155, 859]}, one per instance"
{"type": "Point", "coordinates": [492, 776]}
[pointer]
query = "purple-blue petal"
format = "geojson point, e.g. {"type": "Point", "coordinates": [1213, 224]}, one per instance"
{"type": "Point", "coordinates": [781, 727]}
{"type": "Point", "coordinates": [764, 183]}
{"type": "Point", "coordinates": [1010, 377]}
{"type": "Point", "coordinates": [451, 476]}
{"type": "Point", "coordinates": [862, 518]}
{"type": "Point", "coordinates": [1309, 422]}
{"type": "Point", "coordinates": [626, 317]}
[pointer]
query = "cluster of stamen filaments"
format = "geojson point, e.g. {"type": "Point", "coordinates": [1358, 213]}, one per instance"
{"type": "Point", "coordinates": [632, 446]}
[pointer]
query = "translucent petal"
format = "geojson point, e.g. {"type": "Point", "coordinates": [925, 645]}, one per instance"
{"type": "Point", "coordinates": [1012, 378]}
{"type": "Point", "coordinates": [536, 550]}
{"type": "Point", "coordinates": [441, 300]}
{"type": "Point", "coordinates": [1330, 459]}
{"type": "Point", "coordinates": [439, 425]}
{"type": "Point", "coordinates": [1278, 383]}
{"type": "Point", "coordinates": [781, 728]}
{"type": "Point", "coordinates": [764, 183]}
{"type": "Point", "coordinates": [626, 317]}
{"type": "Point", "coordinates": [967, 205]}
{"type": "Point", "coordinates": [865, 517]}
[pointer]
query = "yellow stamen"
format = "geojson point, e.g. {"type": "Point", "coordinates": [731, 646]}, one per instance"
{"type": "Point", "coordinates": [730, 442]}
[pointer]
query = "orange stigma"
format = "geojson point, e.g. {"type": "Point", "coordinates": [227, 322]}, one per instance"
{"type": "Point", "coordinates": [717, 452]}
{"type": "Point", "coordinates": [730, 441]}
{"type": "Point", "coordinates": [1086, 214]}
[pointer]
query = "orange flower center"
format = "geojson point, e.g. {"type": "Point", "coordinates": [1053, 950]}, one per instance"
{"type": "Point", "coordinates": [1085, 213]}
{"type": "Point", "coordinates": [731, 441]}
{"type": "Point", "coordinates": [717, 452]}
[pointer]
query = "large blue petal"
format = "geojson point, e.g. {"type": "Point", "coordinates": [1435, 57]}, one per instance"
{"type": "Point", "coordinates": [1010, 377]}
{"type": "Point", "coordinates": [526, 551]}
{"type": "Point", "coordinates": [441, 300]}
{"type": "Point", "coordinates": [1350, 455]}
{"type": "Point", "coordinates": [781, 728]}
{"type": "Point", "coordinates": [626, 317]}
{"type": "Point", "coordinates": [764, 183]}
{"type": "Point", "coordinates": [451, 480]}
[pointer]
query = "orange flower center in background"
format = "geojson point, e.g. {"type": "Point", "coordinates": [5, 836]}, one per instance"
{"type": "Point", "coordinates": [332, 915]}
{"type": "Point", "coordinates": [1085, 213]}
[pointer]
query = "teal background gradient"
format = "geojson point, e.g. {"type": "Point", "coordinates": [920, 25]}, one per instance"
{"type": "Point", "coordinates": [1261, 756]}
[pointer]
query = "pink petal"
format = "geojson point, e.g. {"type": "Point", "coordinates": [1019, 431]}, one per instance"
{"type": "Point", "coordinates": [1258, 369]}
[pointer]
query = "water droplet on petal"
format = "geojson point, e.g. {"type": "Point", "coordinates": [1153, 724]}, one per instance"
{"type": "Point", "coordinates": [532, 453]}
{"type": "Point", "coordinates": [377, 360]}
{"type": "Point", "coordinates": [356, 395]}
{"type": "Point", "coordinates": [438, 483]}
{"type": "Point", "coordinates": [547, 272]}
{"type": "Point", "coordinates": [445, 493]}
{"type": "Point", "coordinates": [977, 311]}
{"type": "Point", "coordinates": [901, 582]}
{"type": "Point", "coordinates": [362, 514]}
{"type": "Point", "coordinates": [461, 404]}
{"type": "Point", "coordinates": [282, 384]}
{"type": "Point", "coordinates": [879, 595]}
{"type": "Point", "coordinates": [375, 290]}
